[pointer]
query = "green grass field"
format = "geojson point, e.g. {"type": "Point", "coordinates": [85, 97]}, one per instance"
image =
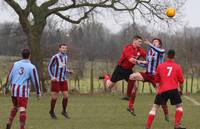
{"type": "Point", "coordinates": [103, 111]}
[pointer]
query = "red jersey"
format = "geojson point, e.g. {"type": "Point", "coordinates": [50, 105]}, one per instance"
{"type": "Point", "coordinates": [168, 75]}
{"type": "Point", "coordinates": [130, 51]}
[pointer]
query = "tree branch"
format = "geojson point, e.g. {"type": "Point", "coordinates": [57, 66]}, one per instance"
{"type": "Point", "coordinates": [74, 5]}
{"type": "Point", "coordinates": [27, 10]}
{"type": "Point", "coordinates": [152, 11]}
{"type": "Point", "coordinates": [102, 4]}
{"type": "Point", "coordinates": [22, 15]}
{"type": "Point", "coordinates": [15, 6]}
{"type": "Point", "coordinates": [75, 21]}
{"type": "Point", "coordinates": [49, 3]}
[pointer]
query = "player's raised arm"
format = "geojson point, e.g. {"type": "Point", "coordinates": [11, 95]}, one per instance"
{"type": "Point", "coordinates": [153, 46]}
{"type": "Point", "coordinates": [156, 48]}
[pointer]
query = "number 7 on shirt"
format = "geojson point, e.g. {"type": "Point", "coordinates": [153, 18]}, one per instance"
{"type": "Point", "coordinates": [169, 71]}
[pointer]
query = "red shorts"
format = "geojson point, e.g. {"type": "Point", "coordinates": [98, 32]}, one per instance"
{"type": "Point", "coordinates": [20, 101]}
{"type": "Point", "coordinates": [148, 78]}
{"type": "Point", "coordinates": [57, 86]}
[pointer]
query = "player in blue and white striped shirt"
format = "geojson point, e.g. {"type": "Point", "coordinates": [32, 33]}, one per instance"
{"type": "Point", "coordinates": [58, 69]}
{"type": "Point", "coordinates": [18, 81]}
{"type": "Point", "coordinates": [155, 56]}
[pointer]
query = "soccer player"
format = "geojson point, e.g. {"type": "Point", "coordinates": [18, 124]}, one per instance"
{"type": "Point", "coordinates": [155, 56]}
{"type": "Point", "coordinates": [18, 81]}
{"type": "Point", "coordinates": [169, 83]}
{"type": "Point", "coordinates": [129, 57]}
{"type": "Point", "coordinates": [58, 69]}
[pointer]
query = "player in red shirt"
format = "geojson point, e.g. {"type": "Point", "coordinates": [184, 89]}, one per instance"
{"type": "Point", "coordinates": [130, 55]}
{"type": "Point", "coordinates": [169, 82]}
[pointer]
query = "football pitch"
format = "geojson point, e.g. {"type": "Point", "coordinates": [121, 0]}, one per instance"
{"type": "Point", "coordinates": [105, 111]}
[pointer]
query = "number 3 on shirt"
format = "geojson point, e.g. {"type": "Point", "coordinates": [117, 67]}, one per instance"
{"type": "Point", "coordinates": [169, 71]}
{"type": "Point", "coordinates": [21, 70]}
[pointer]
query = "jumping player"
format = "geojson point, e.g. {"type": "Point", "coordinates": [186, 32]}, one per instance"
{"type": "Point", "coordinates": [18, 81]}
{"type": "Point", "coordinates": [169, 83]}
{"type": "Point", "coordinates": [129, 57]}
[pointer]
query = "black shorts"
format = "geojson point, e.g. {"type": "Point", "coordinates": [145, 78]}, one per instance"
{"type": "Point", "coordinates": [120, 74]}
{"type": "Point", "coordinates": [173, 95]}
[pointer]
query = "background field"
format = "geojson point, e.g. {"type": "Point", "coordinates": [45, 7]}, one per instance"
{"type": "Point", "coordinates": [100, 68]}
{"type": "Point", "coordinates": [103, 111]}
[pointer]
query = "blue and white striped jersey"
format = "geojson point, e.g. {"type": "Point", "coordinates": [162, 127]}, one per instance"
{"type": "Point", "coordinates": [154, 57]}
{"type": "Point", "coordinates": [57, 67]}
{"type": "Point", "coordinates": [19, 77]}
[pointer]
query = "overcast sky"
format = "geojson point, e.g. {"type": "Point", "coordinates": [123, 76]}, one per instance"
{"type": "Point", "coordinates": [192, 17]}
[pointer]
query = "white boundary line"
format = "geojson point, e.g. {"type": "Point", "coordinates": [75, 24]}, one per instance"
{"type": "Point", "coordinates": [192, 100]}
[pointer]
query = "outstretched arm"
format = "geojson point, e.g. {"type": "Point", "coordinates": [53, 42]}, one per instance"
{"type": "Point", "coordinates": [153, 47]}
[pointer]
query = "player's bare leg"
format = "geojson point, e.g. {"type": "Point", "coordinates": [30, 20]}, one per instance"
{"type": "Point", "coordinates": [64, 104]}
{"type": "Point", "coordinates": [151, 116]}
{"type": "Point", "coordinates": [54, 96]}
{"type": "Point", "coordinates": [136, 76]}
{"type": "Point", "coordinates": [165, 111]}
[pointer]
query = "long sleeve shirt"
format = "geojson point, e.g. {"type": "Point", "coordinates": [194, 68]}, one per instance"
{"type": "Point", "coordinates": [155, 56]}
{"type": "Point", "coordinates": [57, 67]}
{"type": "Point", "coordinates": [19, 77]}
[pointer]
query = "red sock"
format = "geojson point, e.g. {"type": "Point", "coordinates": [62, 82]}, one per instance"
{"type": "Point", "coordinates": [22, 119]}
{"type": "Point", "coordinates": [131, 101]}
{"type": "Point", "coordinates": [150, 120]}
{"type": "Point", "coordinates": [131, 86]}
{"type": "Point", "coordinates": [178, 117]}
{"type": "Point", "coordinates": [130, 104]}
{"type": "Point", "coordinates": [106, 77]}
{"type": "Point", "coordinates": [165, 109]}
{"type": "Point", "coordinates": [64, 104]}
{"type": "Point", "coordinates": [13, 113]}
{"type": "Point", "coordinates": [53, 103]}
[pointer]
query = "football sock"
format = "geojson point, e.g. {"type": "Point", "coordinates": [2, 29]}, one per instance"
{"type": "Point", "coordinates": [53, 103]}
{"type": "Point", "coordinates": [106, 77]}
{"type": "Point", "coordinates": [22, 119]}
{"type": "Point", "coordinates": [64, 104]}
{"type": "Point", "coordinates": [150, 119]}
{"type": "Point", "coordinates": [12, 115]}
{"type": "Point", "coordinates": [131, 87]}
{"type": "Point", "coordinates": [178, 116]}
{"type": "Point", "coordinates": [131, 101]}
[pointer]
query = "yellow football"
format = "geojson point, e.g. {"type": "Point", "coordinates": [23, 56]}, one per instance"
{"type": "Point", "coordinates": [170, 12]}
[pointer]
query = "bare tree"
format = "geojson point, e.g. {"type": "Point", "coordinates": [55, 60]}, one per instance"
{"type": "Point", "coordinates": [33, 15]}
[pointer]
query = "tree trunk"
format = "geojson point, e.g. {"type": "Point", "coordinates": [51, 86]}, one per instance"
{"type": "Point", "coordinates": [36, 55]}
